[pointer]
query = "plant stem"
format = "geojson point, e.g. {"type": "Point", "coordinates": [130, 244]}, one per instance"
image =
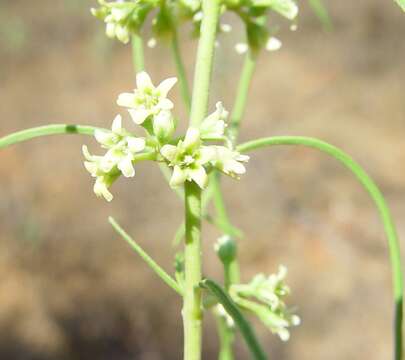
{"type": "Point", "coordinates": [192, 310]}
{"type": "Point", "coordinates": [205, 55]}
{"type": "Point", "coordinates": [242, 92]}
{"type": "Point", "coordinates": [138, 61]}
{"type": "Point", "coordinates": [181, 71]}
{"type": "Point", "coordinates": [376, 195]}
{"type": "Point", "coordinates": [226, 338]}
{"type": "Point", "coordinates": [52, 129]}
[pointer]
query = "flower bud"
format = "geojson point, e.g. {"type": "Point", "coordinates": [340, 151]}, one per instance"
{"type": "Point", "coordinates": [226, 249]}
{"type": "Point", "coordinates": [163, 125]}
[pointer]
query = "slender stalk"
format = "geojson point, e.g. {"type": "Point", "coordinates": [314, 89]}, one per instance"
{"type": "Point", "coordinates": [181, 71]}
{"type": "Point", "coordinates": [138, 61]}
{"type": "Point", "coordinates": [226, 338]}
{"type": "Point", "coordinates": [205, 55]}
{"type": "Point", "coordinates": [46, 130]}
{"type": "Point", "coordinates": [376, 195]}
{"type": "Point", "coordinates": [192, 310]}
{"type": "Point", "coordinates": [242, 92]}
{"type": "Point", "coordinates": [155, 267]}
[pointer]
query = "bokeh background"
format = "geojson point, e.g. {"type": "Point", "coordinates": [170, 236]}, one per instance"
{"type": "Point", "coordinates": [71, 289]}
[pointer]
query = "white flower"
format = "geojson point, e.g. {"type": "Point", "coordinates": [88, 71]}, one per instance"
{"type": "Point", "coordinates": [273, 44]}
{"type": "Point", "coordinates": [118, 160]}
{"type": "Point", "coordinates": [104, 171]}
{"type": "Point", "coordinates": [226, 28]}
{"type": "Point", "coordinates": [264, 296]}
{"type": "Point", "coordinates": [213, 126]}
{"type": "Point", "coordinates": [220, 311]}
{"type": "Point", "coordinates": [151, 43]}
{"type": "Point", "coordinates": [188, 159]}
{"type": "Point", "coordinates": [241, 48]}
{"type": "Point", "coordinates": [229, 161]}
{"type": "Point", "coordinates": [147, 100]}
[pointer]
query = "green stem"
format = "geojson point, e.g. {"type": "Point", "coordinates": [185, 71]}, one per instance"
{"type": "Point", "coordinates": [192, 310]}
{"type": "Point", "coordinates": [226, 338]}
{"type": "Point", "coordinates": [52, 129]}
{"type": "Point", "coordinates": [138, 61]}
{"type": "Point", "coordinates": [155, 267]}
{"type": "Point", "coordinates": [242, 92]}
{"type": "Point", "coordinates": [376, 195]}
{"type": "Point", "coordinates": [205, 55]}
{"type": "Point", "coordinates": [181, 71]}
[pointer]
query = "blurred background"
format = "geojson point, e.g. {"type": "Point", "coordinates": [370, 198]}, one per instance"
{"type": "Point", "coordinates": [71, 289]}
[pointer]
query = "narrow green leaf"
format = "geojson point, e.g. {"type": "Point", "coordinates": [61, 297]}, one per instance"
{"type": "Point", "coordinates": [401, 4]}
{"type": "Point", "coordinates": [378, 198]}
{"type": "Point", "coordinates": [155, 267]}
{"type": "Point", "coordinates": [52, 129]}
{"type": "Point", "coordinates": [322, 13]}
{"type": "Point", "coordinates": [232, 309]}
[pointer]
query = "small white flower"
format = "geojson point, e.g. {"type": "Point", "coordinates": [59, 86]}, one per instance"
{"type": "Point", "coordinates": [151, 43]}
{"type": "Point", "coordinates": [198, 16]}
{"type": "Point", "coordinates": [229, 161]}
{"type": "Point", "coordinates": [241, 48]}
{"type": "Point", "coordinates": [273, 44]}
{"type": "Point", "coordinates": [147, 100]}
{"type": "Point", "coordinates": [213, 126]}
{"type": "Point", "coordinates": [293, 27]}
{"type": "Point", "coordinates": [286, 8]}
{"type": "Point", "coordinates": [220, 310]}
{"type": "Point", "coordinates": [188, 159]}
{"type": "Point", "coordinates": [226, 28]}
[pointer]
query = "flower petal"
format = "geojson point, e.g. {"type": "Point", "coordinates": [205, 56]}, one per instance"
{"type": "Point", "coordinates": [100, 189]}
{"type": "Point", "coordinates": [104, 137]}
{"type": "Point", "coordinates": [207, 153]}
{"type": "Point", "coordinates": [126, 100]}
{"type": "Point", "coordinates": [179, 176]}
{"type": "Point", "coordinates": [135, 144]}
{"type": "Point", "coordinates": [165, 104]}
{"type": "Point", "coordinates": [139, 115]}
{"type": "Point", "coordinates": [169, 152]}
{"type": "Point", "coordinates": [126, 167]}
{"type": "Point", "coordinates": [199, 175]}
{"type": "Point", "coordinates": [192, 138]}
{"type": "Point", "coordinates": [143, 81]}
{"type": "Point", "coordinates": [117, 124]}
{"type": "Point", "coordinates": [165, 86]}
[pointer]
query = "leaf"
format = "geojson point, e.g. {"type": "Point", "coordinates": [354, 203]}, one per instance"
{"type": "Point", "coordinates": [155, 267]}
{"type": "Point", "coordinates": [401, 4]}
{"type": "Point", "coordinates": [322, 13]}
{"type": "Point", "coordinates": [233, 310]}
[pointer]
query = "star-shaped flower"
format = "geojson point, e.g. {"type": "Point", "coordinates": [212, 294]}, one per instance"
{"type": "Point", "coordinates": [188, 159]}
{"type": "Point", "coordinates": [147, 100]}
{"type": "Point", "coordinates": [229, 161]}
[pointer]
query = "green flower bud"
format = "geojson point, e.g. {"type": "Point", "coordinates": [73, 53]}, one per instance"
{"type": "Point", "coordinates": [226, 249]}
{"type": "Point", "coordinates": [163, 126]}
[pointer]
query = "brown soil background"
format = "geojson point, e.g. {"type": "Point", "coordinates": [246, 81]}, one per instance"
{"type": "Point", "coordinates": [71, 289]}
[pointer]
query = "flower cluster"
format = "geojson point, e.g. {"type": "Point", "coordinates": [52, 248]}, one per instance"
{"type": "Point", "coordinates": [264, 297]}
{"type": "Point", "coordinates": [122, 148]}
{"type": "Point", "coordinates": [189, 156]}
{"type": "Point", "coordinates": [124, 18]}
